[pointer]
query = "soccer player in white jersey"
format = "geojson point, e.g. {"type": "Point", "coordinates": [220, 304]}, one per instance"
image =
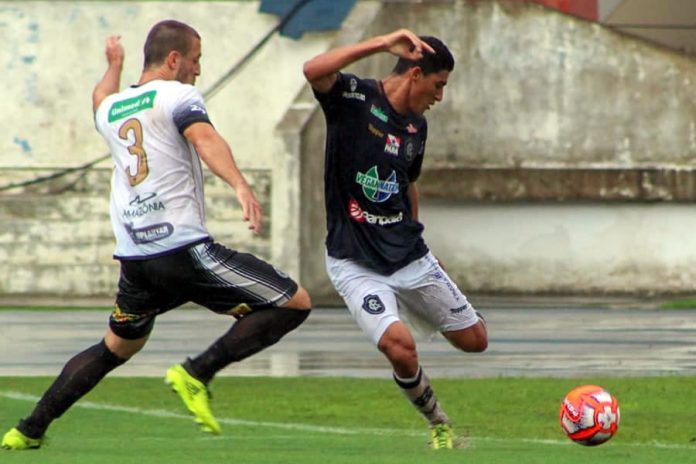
{"type": "Point", "coordinates": [376, 256]}
{"type": "Point", "coordinates": [157, 130]}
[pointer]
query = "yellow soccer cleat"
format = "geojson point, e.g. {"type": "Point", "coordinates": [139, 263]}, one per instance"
{"type": "Point", "coordinates": [195, 396]}
{"type": "Point", "coordinates": [441, 436]}
{"type": "Point", "coordinates": [16, 440]}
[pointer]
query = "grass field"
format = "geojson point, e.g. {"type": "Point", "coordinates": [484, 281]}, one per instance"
{"type": "Point", "coordinates": [348, 420]}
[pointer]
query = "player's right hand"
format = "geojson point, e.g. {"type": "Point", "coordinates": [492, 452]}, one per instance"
{"type": "Point", "coordinates": [405, 44]}
{"type": "Point", "coordinates": [114, 50]}
{"type": "Point", "coordinates": [251, 208]}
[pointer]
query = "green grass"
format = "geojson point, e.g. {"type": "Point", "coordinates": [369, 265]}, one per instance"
{"type": "Point", "coordinates": [347, 420]}
{"type": "Point", "coordinates": [679, 304]}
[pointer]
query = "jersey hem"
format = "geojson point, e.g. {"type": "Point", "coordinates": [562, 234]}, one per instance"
{"type": "Point", "coordinates": [164, 253]}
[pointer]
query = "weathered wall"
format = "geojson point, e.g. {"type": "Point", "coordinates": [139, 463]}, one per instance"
{"type": "Point", "coordinates": [541, 106]}
{"type": "Point", "coordinates": [62, 243]}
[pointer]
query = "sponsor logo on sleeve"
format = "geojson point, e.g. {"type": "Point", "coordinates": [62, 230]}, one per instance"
{"type": "Point", "coordinates": [379, 113]}
{"type": "Point", "coordinates": [353, 95]}
{"type": "Point", "coordinates": [194, 108]}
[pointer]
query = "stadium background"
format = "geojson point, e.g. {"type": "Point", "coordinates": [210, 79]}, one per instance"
{"type": "Point", "coordinates": [561, 160]}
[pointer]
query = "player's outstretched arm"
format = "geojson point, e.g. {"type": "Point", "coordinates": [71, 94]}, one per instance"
{"type": "Point", "coordinates": [217, 155]}
{"type": "Point", "coordinates": [111, 81]}
{"type": "Point", "coordinates": [321, 70]}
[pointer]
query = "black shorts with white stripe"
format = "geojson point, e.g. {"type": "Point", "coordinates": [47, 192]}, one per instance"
{"type": "Point", "coordinates": [223, 280]}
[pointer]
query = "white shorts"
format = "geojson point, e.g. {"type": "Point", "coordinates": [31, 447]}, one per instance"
{"type": "Point", "coordinates": [421, 292]}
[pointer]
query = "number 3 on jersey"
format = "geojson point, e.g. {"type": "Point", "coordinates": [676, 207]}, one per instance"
{"type": "Point", "coordinates": [134, 126]}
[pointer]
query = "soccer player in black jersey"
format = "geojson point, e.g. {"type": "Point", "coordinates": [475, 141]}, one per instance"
{"type": "Point", "coordinates": [376, 257]}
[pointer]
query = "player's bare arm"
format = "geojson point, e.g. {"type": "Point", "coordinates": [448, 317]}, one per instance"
{"type": "Point", "coordinates": [321, 70]}
{"type": "Point", "coordinates": [413, 197]}
{"type": "Point", "coordinates": [217, 155]}
{"type": "Point", "coordinates": [111, 81]}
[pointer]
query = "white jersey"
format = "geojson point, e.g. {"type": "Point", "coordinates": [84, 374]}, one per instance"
{"type": "Point", "coordinates": [157, 201]}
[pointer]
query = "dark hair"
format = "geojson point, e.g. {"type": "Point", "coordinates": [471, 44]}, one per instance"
{"type": "Point", "coordinates": [441, 60]}
{"type": "Point", "coordinates": [166, 36]}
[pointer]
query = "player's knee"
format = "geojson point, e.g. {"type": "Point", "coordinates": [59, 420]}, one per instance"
{"type": "Point", "coordinates": [284, 321]}
{"type": "Point", "coordinates": [471, 340]}
{"type": "Point", "coordinates": [399, 352]}
{"type": "Point", "coordinates": [472, 346]}
{"type": "Point", "coordinates": [110, 358]}
{"type": "Point", "coordinates": [122, 347]}
{"type": "Point", "coordinates": [300, 300]}
{"type": "Point", "coordinates": [479, 345]}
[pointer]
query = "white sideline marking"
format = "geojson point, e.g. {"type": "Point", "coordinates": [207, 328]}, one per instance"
{"type": "Point", "coordinates": [173, 415]}
{"type": "Point", "coordinates": [13, 395]}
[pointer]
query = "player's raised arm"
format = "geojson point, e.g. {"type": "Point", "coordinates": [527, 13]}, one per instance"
{"type": "Point", "coordinates": [111, 80]}
{"type": "Point", "coordinates": [217, 155]}
{"type": "Point", "coordinates": [321, 70]}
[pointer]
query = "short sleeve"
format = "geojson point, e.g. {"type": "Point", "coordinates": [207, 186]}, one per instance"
{"type": "Point", "coordinates": [414, 170]}
{"type": "Point", "coordinates": [189, 108]}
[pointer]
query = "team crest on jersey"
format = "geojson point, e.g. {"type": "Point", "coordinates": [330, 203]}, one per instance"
{"type": "Point", "coordinates": [410, 149]}
{"type": "Point", "coordinates": [393, 144]}
{"type": "Point", "coordinates": [375, 189]}
{"type": "Point", "coordinates": [372, 304]}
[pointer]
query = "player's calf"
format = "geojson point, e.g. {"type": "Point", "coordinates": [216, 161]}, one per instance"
{"type": "Point", "coordinates": [249, 335]}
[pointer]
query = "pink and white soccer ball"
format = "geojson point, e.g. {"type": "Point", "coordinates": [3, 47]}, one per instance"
{"type": "Point", "coordinates": [589, 415]}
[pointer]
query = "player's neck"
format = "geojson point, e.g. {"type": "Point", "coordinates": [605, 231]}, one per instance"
{"type": "Point", "coordinates": [154, 74]}
{"type": "Point", "coordinates": [396, 90]}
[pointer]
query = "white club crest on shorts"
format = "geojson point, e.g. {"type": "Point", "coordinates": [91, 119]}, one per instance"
{"type": "Point", "coordinates": [372, 304]}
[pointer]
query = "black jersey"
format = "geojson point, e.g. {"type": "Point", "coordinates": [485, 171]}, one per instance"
{"type": "Point", "coordinates": [372, 154]}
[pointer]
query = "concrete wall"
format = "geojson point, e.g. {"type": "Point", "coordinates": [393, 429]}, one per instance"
{"type": "Point", "coordinates": [541, 107]}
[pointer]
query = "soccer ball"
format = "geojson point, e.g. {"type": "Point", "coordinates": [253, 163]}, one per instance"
{"type": "Point", "coordinates": [589, 415]}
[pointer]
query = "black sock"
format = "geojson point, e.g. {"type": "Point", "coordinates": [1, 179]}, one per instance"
{"type": "Point", "coordinates": [249, 335]}
{"type": "Point", "coordinates": [79, 375]}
